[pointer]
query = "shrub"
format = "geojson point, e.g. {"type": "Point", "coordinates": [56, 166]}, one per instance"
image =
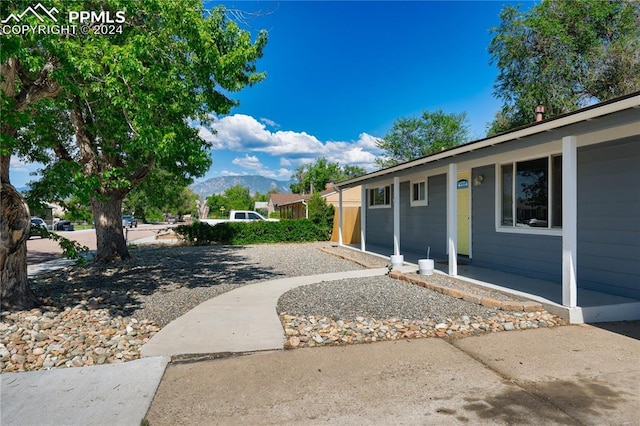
{"type": "Point", "coordinates": [242, 233]}
{"type": "Point", "coordinates": [321, 213]}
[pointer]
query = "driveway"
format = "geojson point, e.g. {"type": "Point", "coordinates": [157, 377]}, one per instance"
{"type": "Point", "coordinates": [572, 375]}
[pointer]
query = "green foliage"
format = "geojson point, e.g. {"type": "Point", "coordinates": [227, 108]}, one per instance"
{"type": "Point", "coordinates": [564, 55]}
{"type": "Point", "coordinates": [314, 177]}
{"type": "Point", "coordinates": [321, 213]}
{"type": "Point", "coordinates": [235, 198]}
{"type": "Point", "coordinates": [416, 137]}
{"type": "Point", "coordinates": [160, 193]}
{"type": "Point", "coordinates": [76, 210]}
{"type": "Point", "coordinates": [238, 198]}
{"type": "Point", "coordinates": [242, 233]}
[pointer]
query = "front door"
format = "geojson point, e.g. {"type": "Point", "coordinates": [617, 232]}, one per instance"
{"type": "Point", "coordinates": [463, 188]}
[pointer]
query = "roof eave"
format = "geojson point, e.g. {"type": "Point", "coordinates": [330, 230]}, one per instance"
{"type": "Point", "coordinates": [584, 114]}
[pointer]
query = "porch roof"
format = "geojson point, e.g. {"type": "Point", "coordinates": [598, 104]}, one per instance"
{"type": "Point", "coordinates": [585, 114]}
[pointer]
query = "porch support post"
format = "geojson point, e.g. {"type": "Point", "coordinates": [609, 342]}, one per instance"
{"type": "Point", "coordinates": [452, 218]}
{"type": "Point", "coordinates": [569, 221]}
{"type": "Point", "coordinates": [396, 215]}
{"type": "Point", "coordinates": [363, 217]}
{"type": "Point", "coordinates": [340, 216]}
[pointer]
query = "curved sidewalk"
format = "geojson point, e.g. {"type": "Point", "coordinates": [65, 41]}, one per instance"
{"type": "Point", "coordinates": [242, 320]}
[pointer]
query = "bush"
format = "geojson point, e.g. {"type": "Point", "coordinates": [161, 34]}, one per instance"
{"type": "Point", "coordinates": [321, 213]}
{"type": "Point", "coordinates": [242, 233]}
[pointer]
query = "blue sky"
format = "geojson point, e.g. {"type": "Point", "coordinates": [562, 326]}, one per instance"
{"type": "Point", "coordinates": [340, 73]}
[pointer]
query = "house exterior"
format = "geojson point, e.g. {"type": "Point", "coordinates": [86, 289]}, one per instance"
{"type": "Point", "coordinates": [290, 206]}
{"type": "Point", "coordinates": [555, 202]}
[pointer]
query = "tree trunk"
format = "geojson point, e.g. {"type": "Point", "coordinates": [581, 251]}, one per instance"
{"type": "Point", "coordinates": [15, 223]}
{"type": "Point", "coordinates": [107, 214]}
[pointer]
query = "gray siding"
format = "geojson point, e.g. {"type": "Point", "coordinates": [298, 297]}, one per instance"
{"type": "Point", "coordinates": [609, 218]}
{"type": "Point", "coordinates": [379, 224]}
{"type": "Point", "coordinates": [535, 256]}
{"type": "Point", "coordinates": [424, 226]}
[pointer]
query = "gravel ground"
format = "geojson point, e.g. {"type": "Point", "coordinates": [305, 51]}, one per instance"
{"type": "Point", "coordinates": [105, 313]}
{"type": "Point", "coordinates": [377, 297]}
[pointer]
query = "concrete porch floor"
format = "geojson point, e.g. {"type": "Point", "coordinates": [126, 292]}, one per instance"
{"type": "Point", "coordinates": [593, 306]}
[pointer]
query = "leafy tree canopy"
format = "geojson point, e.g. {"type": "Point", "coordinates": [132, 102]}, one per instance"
{"type": "Point", "coordinates": [160, 193]}
{"type": "Point", "coordinates": [237, 197]}
{"type": "Point", "coordinates": [127, 101]}
{"type": "Point", "coordinates": [415, 137]}
{"type": "Point", "coordinates": [564, 55]}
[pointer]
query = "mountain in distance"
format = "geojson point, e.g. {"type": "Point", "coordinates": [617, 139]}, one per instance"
{"type": "Point", "coordinates": [255, 183]}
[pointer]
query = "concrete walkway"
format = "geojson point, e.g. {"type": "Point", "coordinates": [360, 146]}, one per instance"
{"type": "Point", "coordinates": [242, 320]}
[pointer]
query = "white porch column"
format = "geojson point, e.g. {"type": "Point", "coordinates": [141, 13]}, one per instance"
{"type": "Point", "coordinates": [569, 221]}
{"type": "Point", "coordinates": [396, 215]}
{"type": "Point", "coordinates": [452, 218]}
{"type": "Point", "coordinates": [363, 217]}
{"type": "Point", "coordinates": [340, 216]}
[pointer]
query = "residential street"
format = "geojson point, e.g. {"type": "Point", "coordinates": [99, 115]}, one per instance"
{"type": "Point", "coordinates": [41, 249]}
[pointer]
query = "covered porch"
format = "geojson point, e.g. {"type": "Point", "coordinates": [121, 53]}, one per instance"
{"type": "Point", "coordinates": [593, 306]}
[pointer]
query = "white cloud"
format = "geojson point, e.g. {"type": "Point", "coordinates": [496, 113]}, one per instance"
{"type": "Point", "coordinates": [248, 162]}
{"type": "Point", "coordinates": [19, 166]}
{"type": "Point", "coordinates": [269, 122]}
{"type": "Point", "coordinates": [285, 161]}
{"type": "Point", "coordinates": [243, 133]}
{"type": "Point", "coordinates": [230, 173]}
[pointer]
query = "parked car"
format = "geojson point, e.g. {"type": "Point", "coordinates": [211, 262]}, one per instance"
{"type": "Point", "coordinates": [64, 225]}
{"type": "Point", "coordinates": [240, 216]}
{"type": "Point", "coordinates": [37, 226]}
{"type": "Point", "coordinates": [129, 221]}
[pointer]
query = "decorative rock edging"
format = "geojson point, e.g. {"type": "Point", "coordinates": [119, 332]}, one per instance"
{"type": "Point", "coordinates": [322, 331]}
{"type": "Point", "coordinates": [489, 302]}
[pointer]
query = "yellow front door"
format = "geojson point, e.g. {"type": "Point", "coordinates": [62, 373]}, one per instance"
{"type": "Point", "coordinates": [463, 186]}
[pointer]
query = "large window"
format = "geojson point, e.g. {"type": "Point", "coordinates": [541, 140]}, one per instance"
{"type": "Point", "coordinates": [419, 193]}
{"type": "Point", "coordinates": [531, 193]}
{"type": "Point", "coordinates": [380, 196]}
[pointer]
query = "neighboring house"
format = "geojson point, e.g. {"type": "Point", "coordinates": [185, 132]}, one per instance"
{"type": "Point", "coordinates": [551, 209]}
{"type": "Point", "coordinates": [290, 206]}
{"type": "Point", "coordinates": [351, 201]}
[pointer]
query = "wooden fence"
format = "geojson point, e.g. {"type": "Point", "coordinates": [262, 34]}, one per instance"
{"type": "Point", "coordinates": [350, 226]}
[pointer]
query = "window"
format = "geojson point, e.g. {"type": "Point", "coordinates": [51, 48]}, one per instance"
{"type": "Point", "coordinates": [530, 191]}
{"type": "Point", "coordinates": [419, 193]}
{"type": "Point", "coordinates": [380, 196]}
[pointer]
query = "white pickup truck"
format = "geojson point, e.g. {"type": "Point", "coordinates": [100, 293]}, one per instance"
{"type": "Point", "coordinates": [239, 216]}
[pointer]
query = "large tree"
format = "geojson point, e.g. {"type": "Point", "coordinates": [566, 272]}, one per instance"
{"type": "Point", "coordinates": [314, 177]}
{"type": "Point", "coordinates": [415, 137]}
{"type": "Point", "coordinates": [564, 55]}
{"type": "Point", "coordinates": [26, 78]}
{"type": "Point", "coordinates": [131, 98]}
